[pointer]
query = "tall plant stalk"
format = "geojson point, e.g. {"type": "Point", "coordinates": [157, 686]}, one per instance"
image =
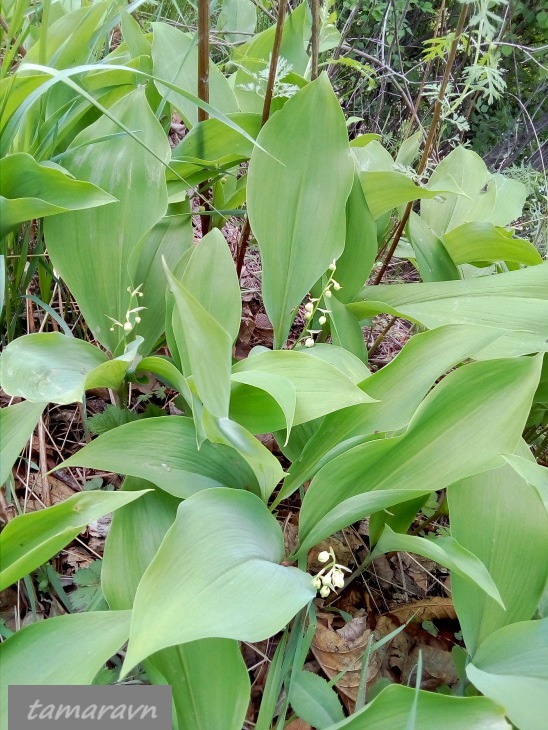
{"type": "Point", "coordinates": [203, 84]}
{"type": "Point", "coordinates": [246, 229]}
{"type": "Point", "coordinates": [429, 139]}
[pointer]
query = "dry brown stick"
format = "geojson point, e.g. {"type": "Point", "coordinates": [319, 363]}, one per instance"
{"type": "Point", "coordinates": [315, 38]}
{"type": "Point", "coordinates": [20, 50]}
{"type": "Point", "coordinates": [246, 230]}
{"type": "Point", "coordinates": [430, 138]}
{"type": "Point", "coordinates": [203, 85]}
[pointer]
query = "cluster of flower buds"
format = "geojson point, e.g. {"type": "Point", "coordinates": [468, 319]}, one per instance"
{"type": "Point", "coordinates": [331, 577]}
{"type": "Point", "coordinates": [128, 325]}
{"type": "Point", "coordinates": [312, 306]}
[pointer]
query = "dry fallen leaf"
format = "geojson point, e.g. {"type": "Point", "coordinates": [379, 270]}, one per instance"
{"type": "Point", "coordinates": [429, 609]}
{"type": "Point", "coordinates": [337, 650]}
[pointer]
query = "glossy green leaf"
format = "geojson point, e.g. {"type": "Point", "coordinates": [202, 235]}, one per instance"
{"type": "Point", "coordinates": [409, 149]}
{"type": "Point", "coordinates": [482, 241]}
{"type": "Point", "coordinates": [17, 423]}
{"type": "Point", "coordinates": [491, 198]}
{"type": "Point", "coordinates": [211, 261]}
{"type": "Point", "coordinates": [443, 550]}
{"type": "Point", "coordinates": [433, 259]}
{"type": "Point", "coordinates": [209, 349]}
{"type": "Point", "coordinates": [228, 597]}
{"type": "Point", "coordinates": [346, 331]}
{"type": "Point", "coordinates": [387, 190]}
{"type": "Point", "coordinates": [49, 366]}
{"type": "Point", "coordinates": [515, 302]}
{"type": "Point", "coordinates": [31, 190]}
{"type": "Point", "coordinates": [175, 59]}
{"type": "Point", "coordinates": [91, 250]}
{"type": "Point", "coordinates": [170, 460]}
{"type": "Point", "coordinates": [212, 142]}
{"type": "Point", "coordinates": [168, 240]}
{"type": "Point", "coordinates": [76, 647]}
{"type": "Point", "coordinates": [278, 386]}
{"type": "Point", "coordinates": [297, 197]}
{"type": "Point", "coordinates": [360, 247]}
{"type": "Point", "coordinates": [423, 359]}
{"type": "Point", "coordinates": [475, 413]}
{"type": "Point", "coordinates": [394, 706]}
{"type": "Point", "coordinates": [510, 667]}
{"type": "Point", "coordinates": [29, 540]}
{"type": "Point", "coordinates": [533, 473]}
{"type": "Point", "coordinates": [314, 701]}
{"type": "Point", "coordinates": [320, 388]}
{"type": "Point", "coordinates": [349, 364]}
{"type": "Point", "coordinates": [237, 20]}
{"type": "Point", "coordinates": [504, 510]}
{"type": "Point", "coordinates": [195, 670]}
{"type": "Point", "coordinates": [262, 462]}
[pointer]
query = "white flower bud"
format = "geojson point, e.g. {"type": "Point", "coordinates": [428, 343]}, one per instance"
{"type": "Point", "coordinates": [337, 579]}
{"type": "Point", "coordinates": [309, 307]}
{"type": "Point", "coordinates": [322, 319]}
{"type": "Point", "coordinates": [137, 320]}
{"type": "Point", "coordinates": [308, 315]}
{"type": "Point", "coordinates": [324, 591]}
{"type": "Point", "coordinates": [127, 327]}
{"type": "Point", "coordinates": [316, 583]}
{"type": "Point", "coordinates": [323, 557]}
{"type": "Point", "coordinates": [336, 285]}
{"type": "Point", "coordinates": [327, 293]}
{"type": "Point", "coordinates": [309, 342]}
{"type": "Point", "coordinates": [333, 266]}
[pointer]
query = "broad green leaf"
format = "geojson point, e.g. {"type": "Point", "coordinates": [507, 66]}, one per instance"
{"type": "Point", "coordinates": [169, 239]}
{"type": "Point", "coordinates": [135, 535]}
{"type": "Point", "coordinates": [534, 474]}
{"type": "Point", "coordinates": [346, 331]}
{"type": "Point", "coordinates": [482, 241]}
{"type": "Point", "coordinates": [443, 550]}
{"type": "Point", "coordinates": [394, 706]}
{"type": "Point", "coordinates": [360, 247]}
{"type": "Point", "coordinates": [423, 359]}
{"type": "Point", "coordinates": [371, 156]}
{"type": "Point", "coordinates": [242, 593]}
{"type": "Point", "coordinates": [17, 423]}
{"type": "Point", "coordinates": [211, 261]}
{"type": "Point", "coordinates": [314, 701]}
{"type": "Point", "coordinates": [510, 667]}
{"type": "Point", "coordinates": [175, 59]}
{"type": "Point", "coordinates": [133, 540]}
{"type": "Point", "coordinates": [278, 386]}
{"type": "Point", "coordinates": [475, 413]}
{"type": "Point", "coordinates": [132, 34]}
{"type": "Point", "coordinates": [515, 302]}
{"type": "Point", "coordinates": [264, 464]}
{"type": "Point", "coordinates": [91, 250]}
{"type": "Point", "coordinates": [73, 649]}
{"type": "Point", "coordinates": [297, 197]}
{"type": "Point", "coordinates": [320, 388]}
{"type": "Point", "coordinates": [29, 540]}
{"type": "Point", "coordinates": [31, 190]}
{"type": "Point", "coordinates": [237, 20]}
{"type": "Point", "coordinates": [212, 142]}
{"type": "Point", "coordinates": [49, 366]}
{"type": "Point", "coordinates": [349, 364]}
{"type": "Point", "coordinates": [170, 460]}
{"type": "Point", "coordinates": [387, 190]}
{"type": "Point", "coordinates": [208, 347]}
{"type": "Point", "coordinates": [491, 514]}
{"type": "Point", "coordinates": [433, 259]}
{"type": "Point", "coordinates": [491, 198]}
{"type": "Point", "coordinates": [199, 671]}
{"type": "Point", "coordinates": [167, 372]}
{"type": "Point", "coordinates": [409, 149]}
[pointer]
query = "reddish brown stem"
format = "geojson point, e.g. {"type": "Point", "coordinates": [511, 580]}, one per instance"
{"type": "Point", "coordinates": [246, 230]}
{"type": "Point", "coordinates": [203, 82]}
